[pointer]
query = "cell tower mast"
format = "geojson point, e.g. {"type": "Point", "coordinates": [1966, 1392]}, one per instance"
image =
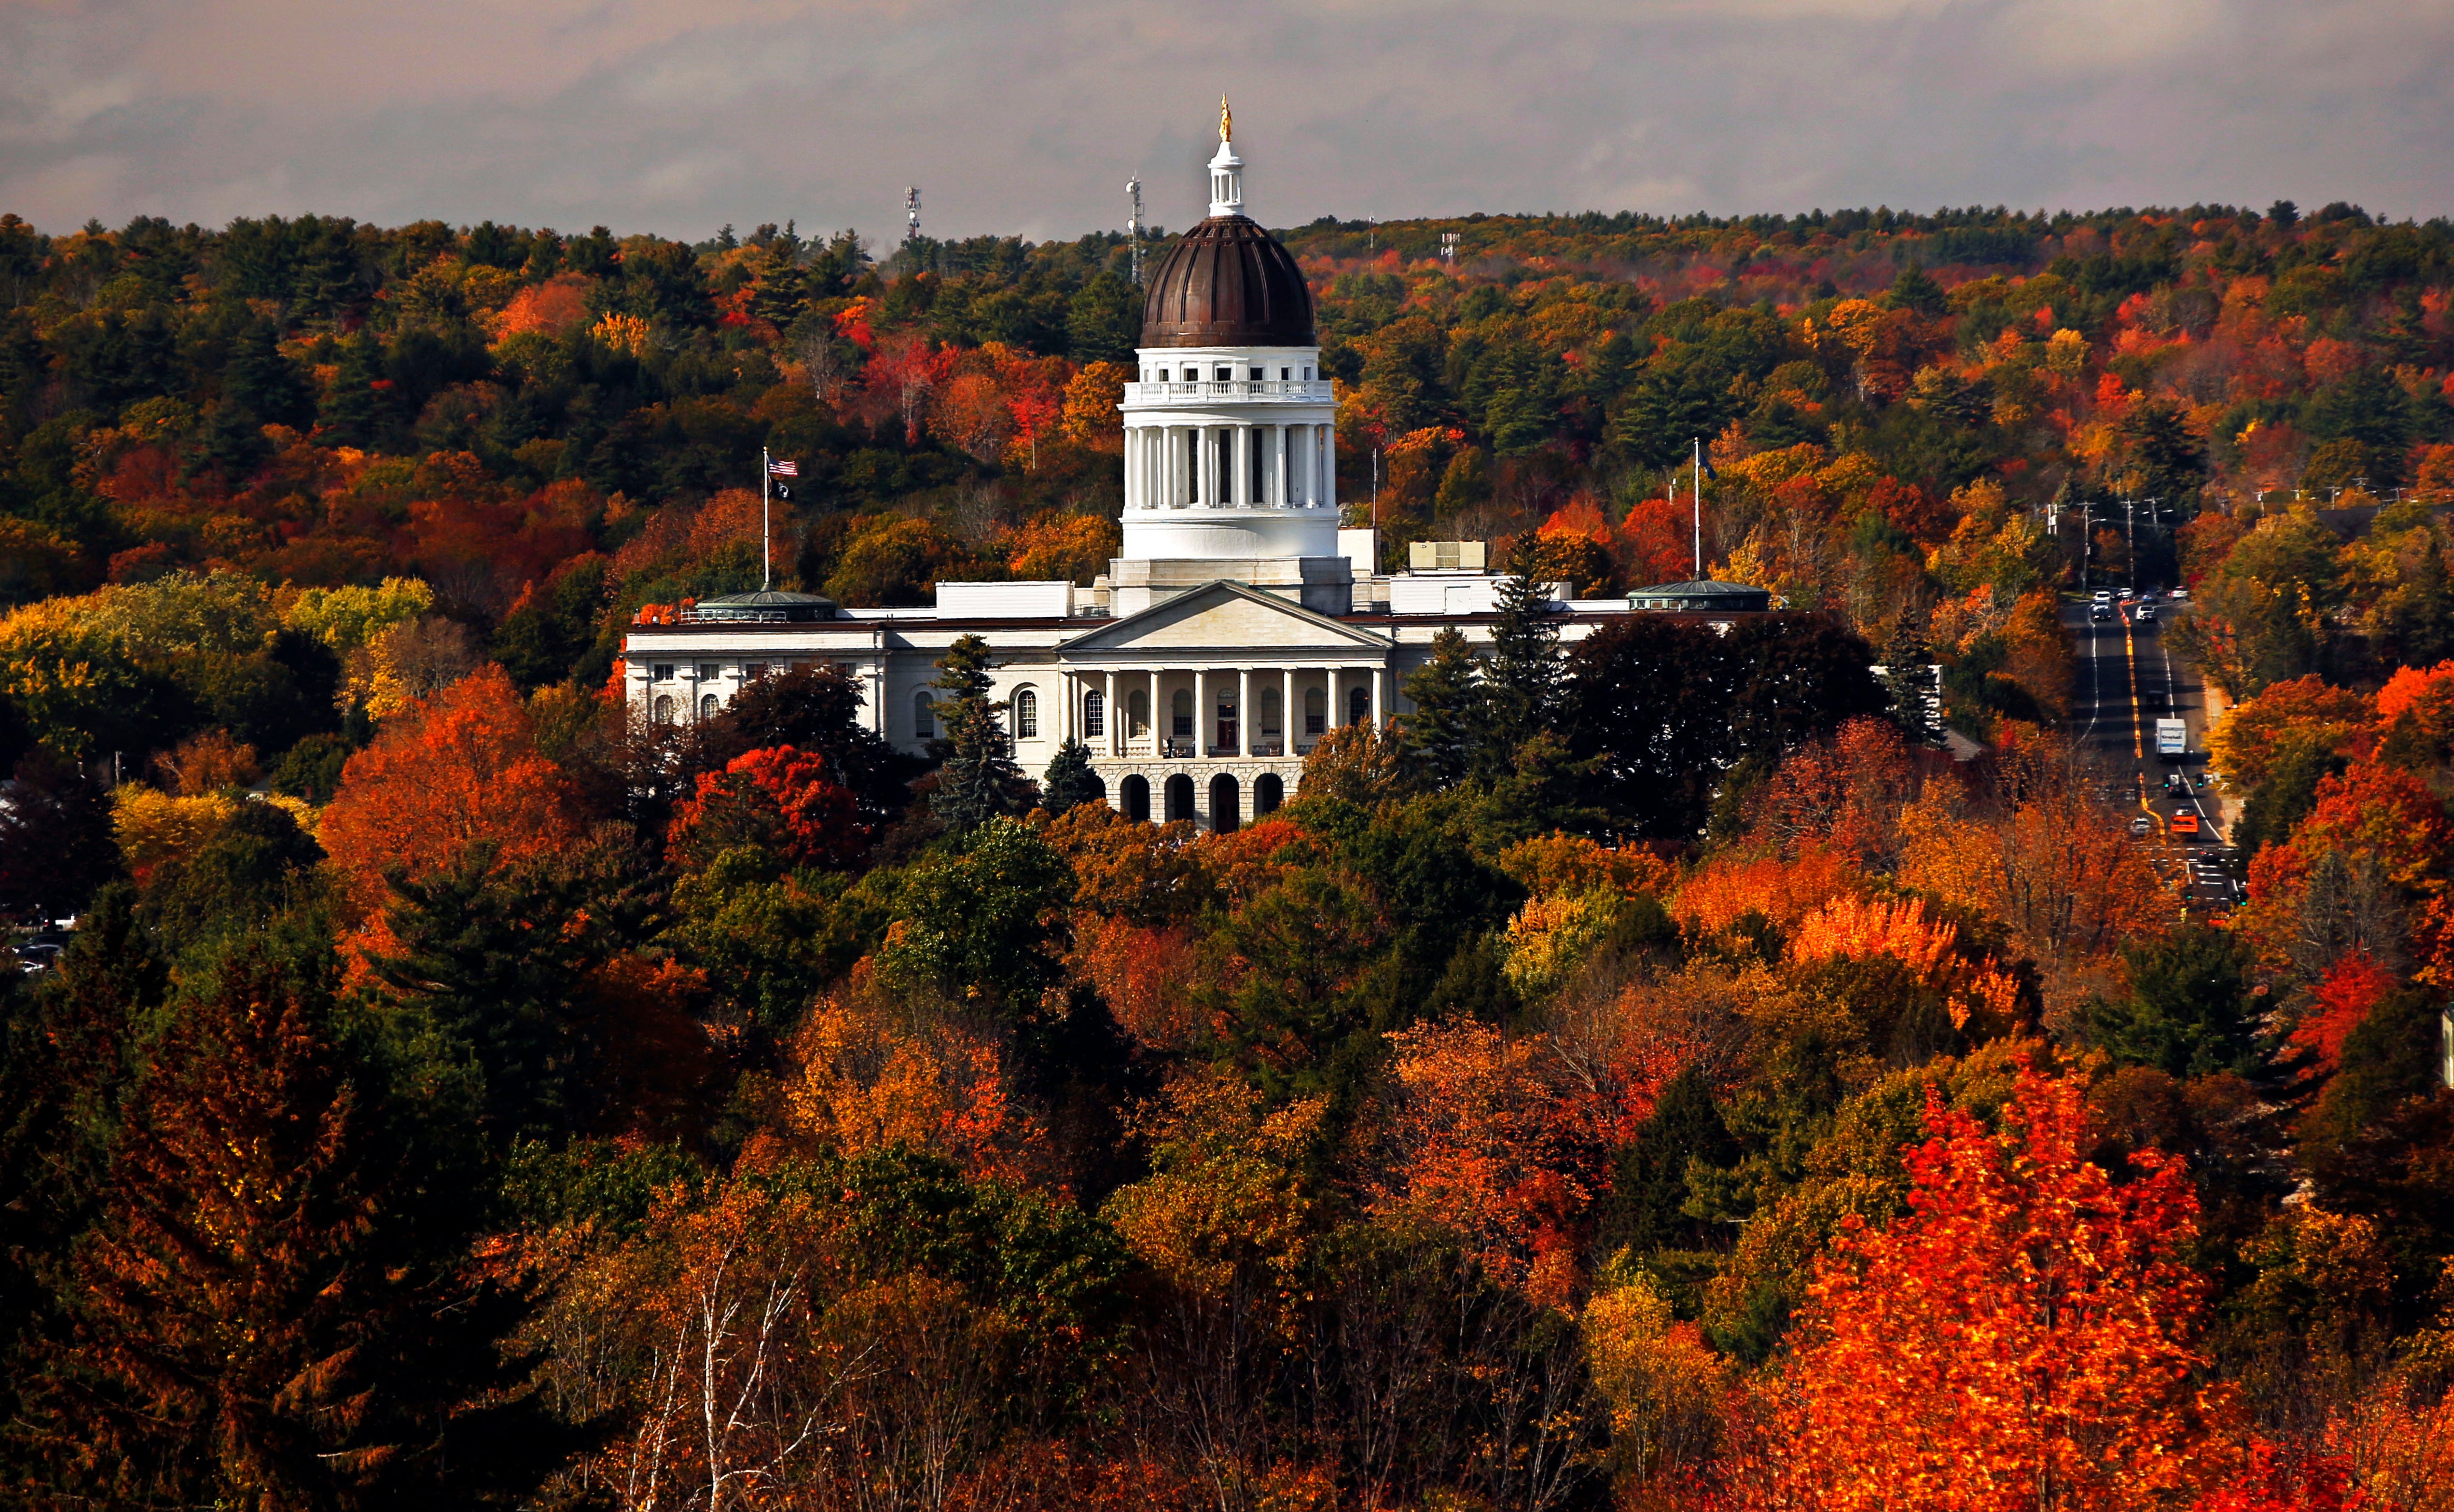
{"type": "Point", "coordinates": [1133, 225]}
{"type": "Point", "coordinates": [911, 212]}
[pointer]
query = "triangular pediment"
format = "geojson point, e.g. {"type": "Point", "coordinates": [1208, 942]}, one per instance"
{"type": "Point", "coordinates": [1223, 615]}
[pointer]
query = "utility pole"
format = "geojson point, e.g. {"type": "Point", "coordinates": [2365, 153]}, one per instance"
{"type": "Point", "coordinates": [2086, 539]}
{"type": "Point", "coordinates": [2131, 529]}
{"type": "Point", "coordinates": [1133, 224]}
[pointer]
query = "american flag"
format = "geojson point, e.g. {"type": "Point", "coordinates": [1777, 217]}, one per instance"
{"type": "Point", "coordinates": [784, 466]}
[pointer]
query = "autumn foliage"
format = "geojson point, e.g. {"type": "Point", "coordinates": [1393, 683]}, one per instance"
{"type": "Point", "coordinates": [459, 769]}
{"type": "Point", "coordinates": [2025, 1336]}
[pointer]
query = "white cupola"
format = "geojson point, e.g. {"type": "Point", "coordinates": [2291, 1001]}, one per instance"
{"type": "Point", "coordinates": [1226, 169]}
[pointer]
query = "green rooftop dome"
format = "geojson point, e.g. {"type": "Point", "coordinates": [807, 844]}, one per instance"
{"type": "Point", "coordinates": [768, 606]}
{"type": "Point", "coordinates": [1703, 597]}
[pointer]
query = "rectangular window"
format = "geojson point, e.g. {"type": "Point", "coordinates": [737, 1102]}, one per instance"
{"type": "Point", "coordinates": [1284, 374]}
{"type": "Point", "coordinates": [1256, 374]}
{"type": "Point", "coordinates": [1094, 715]}
{"type": "Point", "coordinates": [752, 670]}
{"type": "Point", "coordinates": [709, 671]}
{"type": "Point", "coordinates": [1225, 374]}
{"type": "Point", "coordinates": [662, 672]}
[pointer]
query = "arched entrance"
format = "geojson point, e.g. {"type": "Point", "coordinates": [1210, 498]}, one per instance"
{"type": "Point", "coordinates": [1136, 794]}
{"type": "Point", "coordinates": [1179, 799]}
{"type": "Point", "coordinates": [1226, 804]}
{"type": "Point", "coordinates": [1099, 790]}
{"type": "Point", "coordinates": [1268, 793]}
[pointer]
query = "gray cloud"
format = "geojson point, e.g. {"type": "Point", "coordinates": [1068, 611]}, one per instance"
{"type": "Point", "coordinates": [676, 115]}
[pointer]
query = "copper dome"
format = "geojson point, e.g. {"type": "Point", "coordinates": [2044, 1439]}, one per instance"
{"type": "Point", "coordinates": [1227, 283]}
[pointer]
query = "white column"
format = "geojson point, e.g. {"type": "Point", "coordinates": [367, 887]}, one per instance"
{"type": "Point", "coordinates": [1377, 720]}
{"type": "Point", "coordinates": [1278, 465]}
{"type": "Point", "coordinates": [1202, 713]}
{"type": "Point", "coordinates": [1245, 738]}
{"type": "Point", "coordinates": [1108, 713]}
{"type": "Point", "coordinates": [1242, 493]}
{"type": "Point", "coordinates": [1329, 467]}
{"type": "Point", "coordinates": [1287, 713]}
{"type": "Point", "coordinates": [1156, 736]}
{"type": "Point", "coordinates": [1330, 718]}
{"type": "Point", "coordinates": [1206, 453]}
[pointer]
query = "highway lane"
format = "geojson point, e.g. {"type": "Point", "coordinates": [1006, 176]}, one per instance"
{"type": "Point", "coordinates": [2128, 679]}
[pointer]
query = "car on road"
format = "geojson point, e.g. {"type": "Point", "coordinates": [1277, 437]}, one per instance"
{"type": "Point", "coordinates": [2184, 824]}
{"type": "Point", "coordinates": [2098, 613]}
{"type": "Point", "coordinates": [2104, 596]}
{"type": "Point", "coordinates": [2143, 825]}
{"type": "Point", "coordinates": [2146, 615]}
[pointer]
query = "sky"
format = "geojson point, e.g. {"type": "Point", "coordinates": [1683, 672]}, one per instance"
{"type": "Point", "coordinates": [1019, 116]}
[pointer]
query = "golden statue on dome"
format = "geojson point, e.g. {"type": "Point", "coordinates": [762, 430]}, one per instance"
{"type": "Point", "coordinates": [1226, 120]}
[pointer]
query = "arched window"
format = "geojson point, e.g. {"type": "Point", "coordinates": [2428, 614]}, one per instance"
{"type": "Point", "coordinates": [1179, 798]}
{"type": "Point", "coordinates": [1316, 709]}
{"type": "Point", "coordinates": [1138, 715]}
{"type": "Point", "coordinates": [1359, 706]}
{"type": "Point", "coordinates": [1095, 716]}
{"type": "Point", "coordinates": [924, 718]}
{"type": "Point", "coordinates": [1134, 792]}
{"type": "Point", "coordinates": [1272, 724]}
{"type": "Point", "coordinates": [1268, 793]}
{"type": "Point", "coordinates": [1180, 714]}
{"type": "Point", "coordinates": [662, 710]}
{"type": "Point", "coordinates": [707, 706]}
{"type": "Point", "coordinates": [1026, 714]}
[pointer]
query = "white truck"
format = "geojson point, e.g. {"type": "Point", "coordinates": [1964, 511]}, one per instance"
{"type": "Point", "coordinates": [2172, 740]}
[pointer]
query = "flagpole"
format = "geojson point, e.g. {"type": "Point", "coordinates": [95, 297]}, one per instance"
{"type": "Point", "coordinates": [1699, 509]}
{"type": "Point", "coordinates": [766, 484]}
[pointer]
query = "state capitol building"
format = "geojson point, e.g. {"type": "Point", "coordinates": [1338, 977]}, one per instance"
{"type": "Point", "coordinates": [1241, 623]}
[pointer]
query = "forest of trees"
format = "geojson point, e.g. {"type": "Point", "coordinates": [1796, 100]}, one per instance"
{"type": "Point", "coordinates": [1652, 1076]}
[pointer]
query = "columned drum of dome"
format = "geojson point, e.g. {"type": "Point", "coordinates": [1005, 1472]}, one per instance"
{"type": "Point", "coordinates": [1231, 457]}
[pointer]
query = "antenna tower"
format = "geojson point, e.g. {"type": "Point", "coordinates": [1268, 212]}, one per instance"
{"type": "Point", "coordinates": [1133, 225]}
{"type": "Point", "coordinates": [911, 212]}
{"type": "Point", "coordinates": [1449, 240]}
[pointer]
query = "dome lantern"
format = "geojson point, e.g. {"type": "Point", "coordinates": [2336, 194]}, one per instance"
{"type": "Point", "coordinates": [1226, 169]}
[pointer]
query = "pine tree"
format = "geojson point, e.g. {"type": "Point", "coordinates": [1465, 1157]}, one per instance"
{"type": "Point", "coordinates": [1070, 781]}
{"type": "Point", "coordinates": [261, 380]}
{"type": "Point", "coordinates": [1440, 738]}
{"type": "Point", "coordinates": [227, 1293]}
{"type": "Point", "coordinates": [1523, 683]}
{"type": "Point", "coordinates": [1646, 1209]}
{"type": "Point", "coordinates": [978, 780]}
{"type": "Point", "coordinates": [356, 413]}
{"type": "Point", "coordinates": [1906, 679]}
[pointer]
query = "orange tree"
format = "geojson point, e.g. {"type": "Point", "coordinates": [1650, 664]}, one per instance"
{"type": "Point", "coordinates": [2020, 1338]}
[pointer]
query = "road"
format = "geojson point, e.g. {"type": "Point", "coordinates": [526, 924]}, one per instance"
{"type": "Point", "coordinates": [2127, 680]}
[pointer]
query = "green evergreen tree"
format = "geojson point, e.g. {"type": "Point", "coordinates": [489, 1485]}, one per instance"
{"type": "Point", "coordinates": [1523, 683]}
{"type": "Point", "coordinates": [356, 413]}
{"type": "Point", "coordinates": [261, 380]}
{"type": "Point", "coordinates": [2191, 1011]}
{"type": "Point", "coordinates": [978, 780]}
{"type": "Point", "coordinates": [1647, 1206]}
{"type": "Point", "coordinates": [1070, 781]}
{"type": "Point", "coordinates": [1906, 656]}
{"type": "Point", "coordinates": [1439, 737]}
{"type": "Point", "coordinates": [1915, 289]}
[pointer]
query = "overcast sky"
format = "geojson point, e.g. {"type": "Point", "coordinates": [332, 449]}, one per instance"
{"type": "Point", "coordinates": [679, 115]}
